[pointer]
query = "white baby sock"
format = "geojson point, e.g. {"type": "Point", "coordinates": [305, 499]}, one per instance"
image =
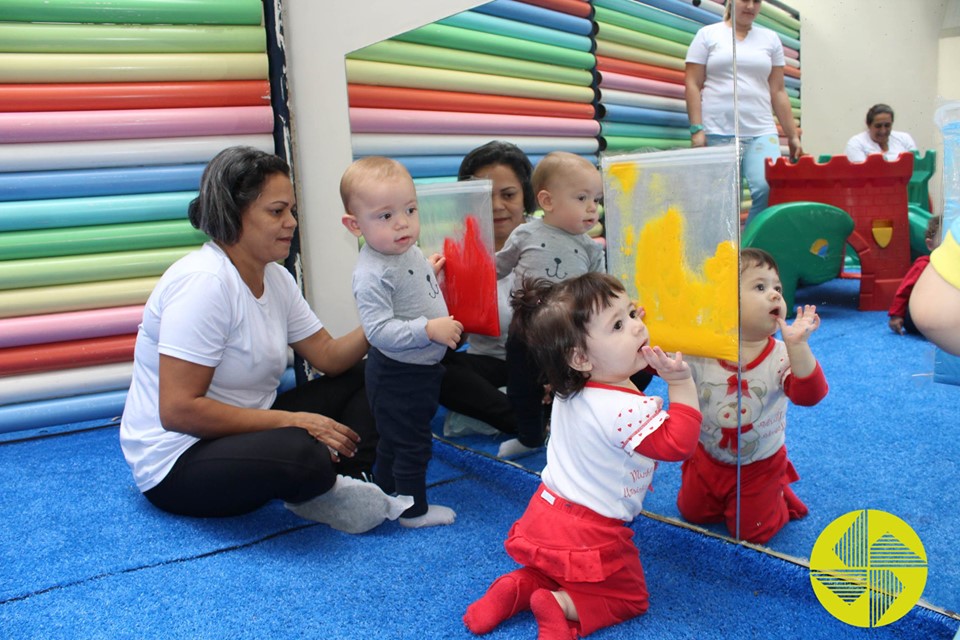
{"type": "Point", "coordinates": [513, 448]}
{"type": "Point", "coordinates": [436, 515]}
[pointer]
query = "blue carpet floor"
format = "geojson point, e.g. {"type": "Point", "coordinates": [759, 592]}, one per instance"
{"type": "Point", "coordinates": [83, 555]}
{"type": "Point", "coordinates": [884, 438]}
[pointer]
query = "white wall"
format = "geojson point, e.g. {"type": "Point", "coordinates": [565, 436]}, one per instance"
{"type": "Point", "coordinates": [948, 75]}
{"type": "Point", "coordinates": [855, 53]}
{"type": "Point", "coordinates": [318, 34]}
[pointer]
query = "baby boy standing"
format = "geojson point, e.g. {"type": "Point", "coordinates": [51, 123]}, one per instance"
{"type": "Point", "coordinates": [406, 321]}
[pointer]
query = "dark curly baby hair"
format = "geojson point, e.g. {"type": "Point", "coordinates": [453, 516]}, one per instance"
{"type": "Point", "coordinates": [551, 318]}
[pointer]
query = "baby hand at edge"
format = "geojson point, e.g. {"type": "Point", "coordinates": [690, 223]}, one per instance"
{"type": "Point", "coordinates": [445, 330]}
{"type": "Point", "coordinates": [670, 369]}
{"type": "Point", "coordinates": [437, 261]}
{"type": "Point", "coordinates": [806, 322]}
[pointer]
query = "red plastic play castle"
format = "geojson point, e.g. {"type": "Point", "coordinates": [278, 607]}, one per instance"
{"type": "Point", "coordinates": [874, 193]}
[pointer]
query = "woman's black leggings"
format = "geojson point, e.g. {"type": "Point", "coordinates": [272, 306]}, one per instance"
{"type": "Point", "coordinates": [240, 473]}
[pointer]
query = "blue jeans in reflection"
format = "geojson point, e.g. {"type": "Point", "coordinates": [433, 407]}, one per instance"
{"type": "Point", "coordinates": [753, 156]}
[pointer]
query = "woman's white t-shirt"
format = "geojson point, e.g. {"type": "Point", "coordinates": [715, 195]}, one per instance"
{"type": "Point", "coordinates": [201, 311]}
{"type": "Point", "coordinates": [757, 54]}
{"type": "Point", "coordinates": [862, 145]}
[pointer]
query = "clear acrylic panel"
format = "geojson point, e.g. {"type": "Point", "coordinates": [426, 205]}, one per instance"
{"type": "Point", "coordinates": [946, 367]}
{"type": "Point", "coordinates": [456, 220]}
{"type": "Point", "coordinates": [672, 222]}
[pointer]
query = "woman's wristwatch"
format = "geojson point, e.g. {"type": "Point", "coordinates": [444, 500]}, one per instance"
{"type": "Point", "coordinates": [695, 128]}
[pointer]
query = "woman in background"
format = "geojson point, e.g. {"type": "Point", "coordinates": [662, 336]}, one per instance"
{"type": "Point", "coordinates": [761, 92]}
{"type": "Point", "coordinates": [879, 137]}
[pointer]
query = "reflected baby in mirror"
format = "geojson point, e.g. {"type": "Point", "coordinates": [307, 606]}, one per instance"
{"type": "Point", "coordinates": [752, 431]}
{"type": "Point", "coordinates": [899, 313]}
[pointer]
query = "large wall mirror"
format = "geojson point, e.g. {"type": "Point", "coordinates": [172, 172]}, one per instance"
{"type": "Point", "coordinates": [883, 437]}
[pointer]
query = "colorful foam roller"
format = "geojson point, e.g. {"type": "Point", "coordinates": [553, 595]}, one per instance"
{"type": "Point", "coordinates": [656, 29]}
{"type": "Point", "coordinates": [134, 95]}
{"type": "Point", "coordinates": [115, 38]}
{"type": "Point", "coordinates": [75, 325]}
{"type": "Point", "coordinates": [780, 15]}
{"type": "Point", "coordinates": [419, 55]}
{"type": "Point", "coordinates": [685, 9]}
{"type": "Point", "coordinates": [639, 70]}
{"type": "Point", "coordinates": [398, 75]}
{"type": "Point", "coordinates": [75, 297]}
{"type": "Point", "coordinates": [611, 49]}
{"type": "Point", "coordinates": [514, 29]}
{"type": "Point", "coordinates": [37, 185]}
{"type": "Point", "coordinates": [65, 355]}
{"type": "Point", "coordinates": [441, 35]}
{"type": "Point", "coordinates": [623, 82]}
{"type": "Point", "coordinates": [625, 143]}
{"type": "Point", "coordinates": [408, 121]}
{"type": "Point", "coordinates": [122, 153]}
{"type": "Point", "coordinates": [637, 115]}
{"type": "Point", "coordinates": [623, 129]}
{"type": "Point", "coordinates": [68, 126]}
{"type": "Point", "coordinates": [136, 11]}
{"type": "Point", "coordinates": [627, 98]}
{"type": "Point", "coordinates": [366, 144]}
{"type": "Point", "coordinates": [46, 243]}
{"type": "Point", "coordinates": [782, 30]}
{"type": "Point", "coordinates": [786, 40]}
{"type": "Point", "coordinates": [130, 67]}
{"type": "Point", "coordinates": [778, 21]}
{"type": "Point", "coordinates": [522, 12]}
{"type": "Point", "coordinates": [445, 167]}
{"type": "Point", "coordinates": [363, 95]}
{"type": "Point", "coordinates": [70, 382]}
{"type": "Point", "coordinates": [578, 8]}
{"type": "Point", "coordinates": [95, 267]}
{"type": "Point", "coordinates": [650, 14]}
{"type": "Point", "coordinates": [105, 406]}
{"type": "Point", "coordinates": [639, 40]}
{"type": "Point", "coordinates": [55, 213]}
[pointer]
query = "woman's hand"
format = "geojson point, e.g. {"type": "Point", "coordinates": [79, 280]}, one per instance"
{"type": "Point", "coordinates": [796, 150]}
{"type": "Point", "coordinates": [699, 139]}
{"type": "Point", "coordinates": [185, 408]}
{"type": "Point", "coordinates": [339, 438]}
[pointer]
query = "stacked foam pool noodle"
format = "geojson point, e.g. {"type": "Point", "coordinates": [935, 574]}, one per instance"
{"type": "Point", "coordinates": [508, 70]}
{"type": "Point", "coordinates": [108, 114]}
